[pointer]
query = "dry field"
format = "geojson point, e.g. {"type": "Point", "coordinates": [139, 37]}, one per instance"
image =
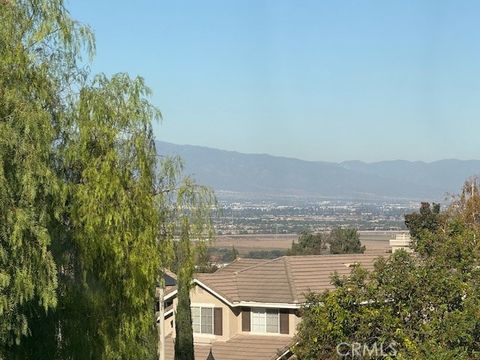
{"type": "Point", "coordinates": [375, 241]}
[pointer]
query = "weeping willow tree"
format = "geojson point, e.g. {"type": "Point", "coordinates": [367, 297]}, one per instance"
{"type": "Point", "coordinates": [88, 214]}
{"type": "Point", "coordinates": [38, 47]}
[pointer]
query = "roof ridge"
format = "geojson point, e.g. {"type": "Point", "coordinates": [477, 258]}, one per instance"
{"type": "Point", "coordinates": [284, 257]}
{"type": "Point", "coordinates": [291, 282]}
{"type": "Point", "coordinates": [334, 255]}
{"type": "Point", "coordinates": [241, 261]}
{"type": "Point", "coordinates": [256, 265]}
{"type": "Point", "coordinates": [237, 290]}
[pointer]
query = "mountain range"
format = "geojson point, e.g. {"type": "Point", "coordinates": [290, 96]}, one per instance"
{"type": "Point", "coordinates": [265, 176]}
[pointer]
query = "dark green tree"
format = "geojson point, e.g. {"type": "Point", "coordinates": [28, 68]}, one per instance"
{"type": "Point", "coordinates": [427, 218]}
{"type": "Point", "coordinates": [265, 254]}
{"type": "Point", "coordinates": [422, 305]}
{"type": "Point", "coordinates": [345, 241]}
{"type": "Point", "coordinates": [309, 244]}
{"type": "Point", "coordinates": [184, 349]}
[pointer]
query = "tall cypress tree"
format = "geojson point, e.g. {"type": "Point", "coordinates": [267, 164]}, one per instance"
{"type": "Point", "coordinates": [184, 349]}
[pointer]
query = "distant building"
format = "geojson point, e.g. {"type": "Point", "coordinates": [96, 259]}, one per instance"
{"type": "Point", "coordinates": [401, 241]}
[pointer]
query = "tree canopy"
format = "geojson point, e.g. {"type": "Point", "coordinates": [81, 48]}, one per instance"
{"type": "Point", "coordinates": [88, 212]}
{"type": "Point", "coordinates": [309, 244]}
{"type": "Point", "coordinates": [417, 306]}
{"type": "Point", "coordinates": [428, 218]}
{"type": "Point", "coordinates": [345, 241]}
{"type": "Point", "coordinates": [337, 241]}
{"type": "Point", "coordinates": [39, 44]}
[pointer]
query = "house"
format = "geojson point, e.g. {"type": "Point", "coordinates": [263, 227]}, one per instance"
{"type": "Point", "coordinates": [250, 308]}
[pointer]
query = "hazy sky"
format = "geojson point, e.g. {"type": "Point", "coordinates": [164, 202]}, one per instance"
{"type": "Point", "coordinates": [318, 80]}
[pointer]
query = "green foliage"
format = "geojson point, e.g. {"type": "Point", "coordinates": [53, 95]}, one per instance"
{"type": "Point", "coordinates": [38, 42]}
{"type": "Point", "coordinates": [88, 215]}
{"type": "Point", "coordinates": [309, 244]}
{"type": "Point", "coordinates": [345, 241]}
{"type": "Point", "coordinates": [466, 206]}
{"type": "Point", "coordinates": [184, 349]}
{"type": "Point", "coordinates": [426, 221]}
{"type": "Point", "coordinates": [338, 241]}
{"type": "Point", "coordinates": [109, 253]}
{"type": "Point", "coordinates": [220, 255]}
{"type": "Point", "coordinates": [185, 210]}
{"type": "Point", "coordinates": [426, 304]}
{"type": "Point", "coordinates": [204, 263]}
{"type": "Point", "coordinates": [265, 254]}
{"type": "Point", "coordinates": [114, 222]}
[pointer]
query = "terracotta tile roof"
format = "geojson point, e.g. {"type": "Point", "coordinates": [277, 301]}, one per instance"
{"type": "Point", "coordinates": [240, 347]}
{"type": "Point", "coordinates": [222, 281]}
{"type": "Point", "coordinates": [266, 282]}
{"type": "Point", "coordinates": [282, 280]}
{"type": "Point", "coordinates": [240, 264]}
{"type": "Point", "coordinates": [313, 273]}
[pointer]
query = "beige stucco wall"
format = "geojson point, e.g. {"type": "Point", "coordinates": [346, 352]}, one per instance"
{"type": "Point", "coordinates": [200, 296]}
{"type": "Point", "coordinates": [294, 320]}
{"type": "Point", "coordinates": [168, 325]}
{"type": "Point", "coordinates": [231, 318]}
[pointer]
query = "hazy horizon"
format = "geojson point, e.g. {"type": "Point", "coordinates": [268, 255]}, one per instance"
{"type": "Point", "coordinates": [310, 160]}
{"type": "Point", "coordinates": [325, 81]}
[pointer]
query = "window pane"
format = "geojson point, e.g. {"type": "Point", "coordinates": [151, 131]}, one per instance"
{"type": "Point", "coordinates": [258, 320]}
{"type": "Point", "coordinates": [207, 320]}
{"type": "Point", "coordinates": [196, 319]}
{"type": "Point", "coordinates": [272, 321]}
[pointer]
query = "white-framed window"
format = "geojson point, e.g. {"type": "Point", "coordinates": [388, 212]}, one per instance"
{"type": "Point", "coordinates": [202, 319]}
{"type": "Point", "coordinates": [265, 320]}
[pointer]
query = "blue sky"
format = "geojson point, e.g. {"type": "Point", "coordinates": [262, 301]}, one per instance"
{"type": "Point", "coordinates": [318, 80]}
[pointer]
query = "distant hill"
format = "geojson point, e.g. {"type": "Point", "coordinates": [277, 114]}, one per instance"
{"type": "Point", "coordinates": [260, 175]}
